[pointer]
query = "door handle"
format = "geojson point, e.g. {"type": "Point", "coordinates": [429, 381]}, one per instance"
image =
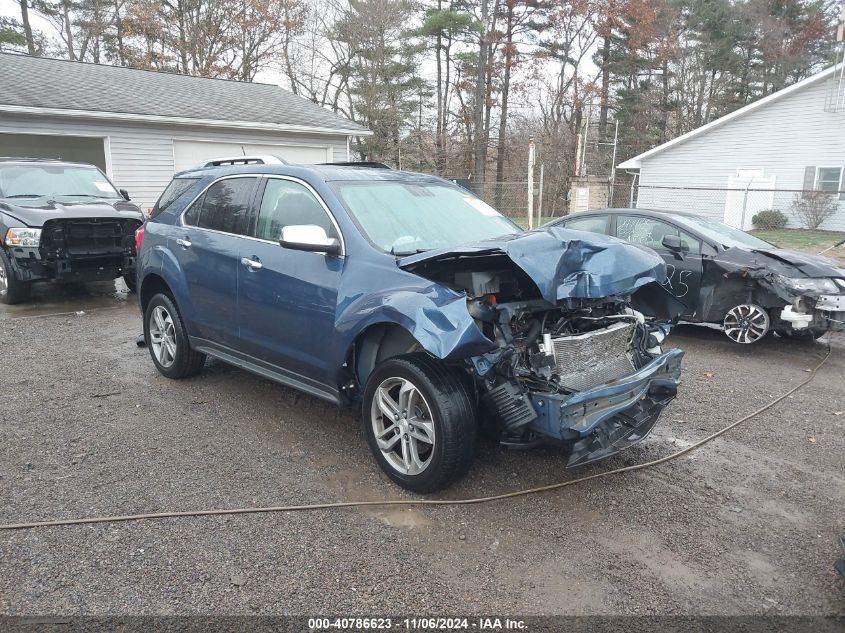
{"type": "Point", "coordinates": [184, 243]}
{"type": "Point", "coordinates": [252, 264]}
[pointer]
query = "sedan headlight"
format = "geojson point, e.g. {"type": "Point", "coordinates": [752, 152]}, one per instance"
{"type": "Point", "coordinates": [816, 285]}
{"type": "Point", "coordinates": [23, 237]}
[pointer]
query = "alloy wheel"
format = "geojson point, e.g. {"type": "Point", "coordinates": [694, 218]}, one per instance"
{"type": "Point", "coordinates": [163, 336]}
{"type": "Point", "coordinates": [403, 426]}
{"type": "Point", "coordinates": [4, 282]}
{"type": "Point", "coordinates": [746, 323]}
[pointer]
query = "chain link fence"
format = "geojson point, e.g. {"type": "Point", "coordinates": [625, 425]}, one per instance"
{"type": "Point", "coordinates": [738, 205]}
{"type": "Point", "coordinates": [511, 199]}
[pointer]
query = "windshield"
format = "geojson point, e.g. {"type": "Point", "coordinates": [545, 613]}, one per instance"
{"type": "Point", "coordinates": [723, 234]}
{"type": "Point", "coordinates": [36, 180]}
{"type": "Point", "coordinates": [409, 217]}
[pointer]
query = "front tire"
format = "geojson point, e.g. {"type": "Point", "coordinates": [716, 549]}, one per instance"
{"type": "Point", "coordinates": [747, 324]}
{"type": "Point", "coordinates": [12, 289]}
{"type": "Point", "coordinates": [420, 422]}
{"type": "Point", "coordinates": [167, 340]}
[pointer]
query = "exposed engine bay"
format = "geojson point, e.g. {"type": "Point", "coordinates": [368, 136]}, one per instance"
{"type": "Point", "coordinates": [547, 354]}
{"type": "Point", "coordinates": [562, 335]}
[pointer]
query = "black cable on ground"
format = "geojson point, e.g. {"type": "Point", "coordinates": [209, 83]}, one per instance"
{"type": "Point", "coordinates": [422, 502]}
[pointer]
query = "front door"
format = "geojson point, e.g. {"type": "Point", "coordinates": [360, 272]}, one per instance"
{"type": "Point", "coordinates": [683, 270]}
{"type": "Point", "coordinates": [207, 247]}
{"type": "Point", "coordinates": [287, 298]}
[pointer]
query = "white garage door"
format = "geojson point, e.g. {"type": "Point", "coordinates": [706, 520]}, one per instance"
{"type": "Point", "coordinates": [188, 154]}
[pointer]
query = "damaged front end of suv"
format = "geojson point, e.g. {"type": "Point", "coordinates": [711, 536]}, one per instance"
{"type": "Point", "coordinates": [571, 358]}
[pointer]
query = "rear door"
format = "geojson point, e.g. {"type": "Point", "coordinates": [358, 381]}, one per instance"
{"type": "Point", "coordinates": [683, 270]}
{"type": "Point", "coordinates": [288, 298]}
{"type": "Point", "coordinates": [208, 249]}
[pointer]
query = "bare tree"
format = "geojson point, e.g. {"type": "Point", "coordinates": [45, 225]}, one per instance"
{"type": "Point", "coordinates": [812, 208]}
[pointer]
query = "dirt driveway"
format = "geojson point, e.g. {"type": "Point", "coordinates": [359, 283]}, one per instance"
{"type": "Point", "coordinates": [747, 525]}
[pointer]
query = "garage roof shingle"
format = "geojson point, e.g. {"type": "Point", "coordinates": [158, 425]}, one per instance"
{"type": "Point", "coordinates": [38, 82]}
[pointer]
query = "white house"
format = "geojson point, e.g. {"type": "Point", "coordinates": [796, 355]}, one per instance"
{"type": "Point", "coordinates": [141, 126]}
{"type": "Point", "coordinates": [759, 157]}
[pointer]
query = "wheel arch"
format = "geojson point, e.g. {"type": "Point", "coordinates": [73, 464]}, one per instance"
{"type": "Point", "coordinates": [375, 344]}
{"type": "Point", "coordinates": [151, 285]}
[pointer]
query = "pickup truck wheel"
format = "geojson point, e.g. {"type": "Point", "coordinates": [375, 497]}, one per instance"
{"type": "Point", "coordinates": [420, 422]}
{"type": "Point", "coordinates": [12, 290]}
{"type": "Point", "coordinates": [130, 282]}
{"type": "Point", "coordinates": [167, 341]}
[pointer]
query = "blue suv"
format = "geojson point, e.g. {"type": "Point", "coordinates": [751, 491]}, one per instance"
{"type": "Point", "coordinates": [409, 296]}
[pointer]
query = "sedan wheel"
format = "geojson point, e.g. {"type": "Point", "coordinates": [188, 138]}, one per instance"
{"type": "Point", "coordinates": [162, 336]}
{"type": "Point", "coordinates": [747, 323]}
{"type": "Point", "coordinates": [403, 426]}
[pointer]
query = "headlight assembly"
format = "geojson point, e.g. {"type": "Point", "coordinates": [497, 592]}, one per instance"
{"type": "Point", "coordinates": [23, 237]}
{"type": "Point", "coordinates": [821, 285]}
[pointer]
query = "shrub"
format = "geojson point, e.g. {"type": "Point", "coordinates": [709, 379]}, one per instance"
{"type": "Point", "coordinates": [769, 219]}
{"type": "Point", "coordinates": [813, 207]}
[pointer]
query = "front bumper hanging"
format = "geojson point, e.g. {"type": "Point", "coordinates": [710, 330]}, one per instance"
{"type": "Point", "coordinates": [611, 417]}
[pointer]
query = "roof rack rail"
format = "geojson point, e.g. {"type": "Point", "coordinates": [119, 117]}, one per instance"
{"type": "Point", "coordinates": [371, 164]}
{"type": "Point", "coordinates": [243, 160]}
{"type": "Point", "coordinates": [22, 159]}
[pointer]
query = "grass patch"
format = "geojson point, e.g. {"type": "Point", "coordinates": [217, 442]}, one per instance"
{"type": "Point", "coordinates": [805, 240]}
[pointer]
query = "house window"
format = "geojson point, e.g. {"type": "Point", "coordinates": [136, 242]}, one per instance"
{"type": "Point", "coordinates": [828, 179]}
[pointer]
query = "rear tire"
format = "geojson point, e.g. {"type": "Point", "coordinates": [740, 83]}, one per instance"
{"type": "Point", "coordinates": [420, 422]}
{"type": "Point", "coordinates": [168, 341]}
{"type": "Point", "coordinates": [12, 289]}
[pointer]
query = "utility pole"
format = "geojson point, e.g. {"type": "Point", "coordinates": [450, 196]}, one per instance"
{"type": "Point", "coordinates": [613, 162]}
{"type": "Point", "coordinates": [531, 184]}
{"type": "Point", "coordinates": [540, 201]}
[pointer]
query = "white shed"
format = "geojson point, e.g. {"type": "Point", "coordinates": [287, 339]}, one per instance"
{"type": "Point", "coordinates": [758, 157]}
{"type": "Point", "coordinates": [141, 127]}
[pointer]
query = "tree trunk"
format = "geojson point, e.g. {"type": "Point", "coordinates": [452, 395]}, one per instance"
{"type": "Point", "coordinates": [27, 27]}
{"type": "Point", "coordinates": [604, 103]}
{"type": "Point", "coordinates": [480, 141]}
{"type": "Point", "coordinates": [503, 114]}
{"type": "Point", "coordinates": [68, 31]}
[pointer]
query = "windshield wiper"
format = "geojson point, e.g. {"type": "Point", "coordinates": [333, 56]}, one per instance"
{"type": "Point", "coordinates": [26, 195]}
{"type": "Point", "coordinates": [415, 251]}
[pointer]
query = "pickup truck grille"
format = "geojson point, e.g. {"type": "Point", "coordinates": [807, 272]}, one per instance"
{"type": "Point", "coordinates": [88, 237]}
{"type": "Point", "coordinates": [585, 360]}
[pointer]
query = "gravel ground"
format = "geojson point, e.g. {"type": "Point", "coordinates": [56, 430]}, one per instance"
{"type": "Point", "coordinates": [746, 525]}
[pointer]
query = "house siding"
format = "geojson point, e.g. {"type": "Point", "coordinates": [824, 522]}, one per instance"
{"type": "Point", "coordinates": [140, 158]}
{"type": "Point", "coordinates": [782, 138]}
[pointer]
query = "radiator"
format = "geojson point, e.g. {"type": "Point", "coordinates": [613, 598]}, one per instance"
{"type": "Point", "coordinates": [586, 360]}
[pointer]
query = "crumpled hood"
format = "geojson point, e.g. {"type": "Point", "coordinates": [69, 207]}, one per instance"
{"type": "Point", "coordinates": [563, 263]}
{"type": "Point", "coordinates": [785, 262]}
{"type": "Point", "coordinates": [35, 211]}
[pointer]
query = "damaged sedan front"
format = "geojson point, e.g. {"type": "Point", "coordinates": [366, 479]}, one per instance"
{"type": "Point", "coordinates": [413, 299]}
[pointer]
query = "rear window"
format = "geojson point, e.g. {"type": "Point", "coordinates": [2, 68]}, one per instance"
{"type": "Point", "coordinates": [176, 188]}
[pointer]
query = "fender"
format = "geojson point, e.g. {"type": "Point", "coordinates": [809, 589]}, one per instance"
{"type": "Point", "coordinates": [161, 261]}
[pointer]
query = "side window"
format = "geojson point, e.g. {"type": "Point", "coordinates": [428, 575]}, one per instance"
{"type": "Point", "coordinates": [644, 231]}
{"type": "Point", "coordinates": [689, 244]}
{"type": "Point", "coordinates": [593, 224]}
{"type": "Point", "coordinates": [225, 206]}
{"type": "Point", "coordinates": [174, 190]}
{"type": "Point", "coordinates": [288, 203]}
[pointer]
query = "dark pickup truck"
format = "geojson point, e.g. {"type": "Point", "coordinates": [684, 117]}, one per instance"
{"type": "Point", "coordinates": [64, 222]}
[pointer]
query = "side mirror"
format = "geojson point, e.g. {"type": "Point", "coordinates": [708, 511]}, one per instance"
{"type": "Point", "coordinates": [125, 194]}
{"type": "Point", "coordinates": [672, 242]}
{"type": "Point", "coordinates": [309, 237]}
